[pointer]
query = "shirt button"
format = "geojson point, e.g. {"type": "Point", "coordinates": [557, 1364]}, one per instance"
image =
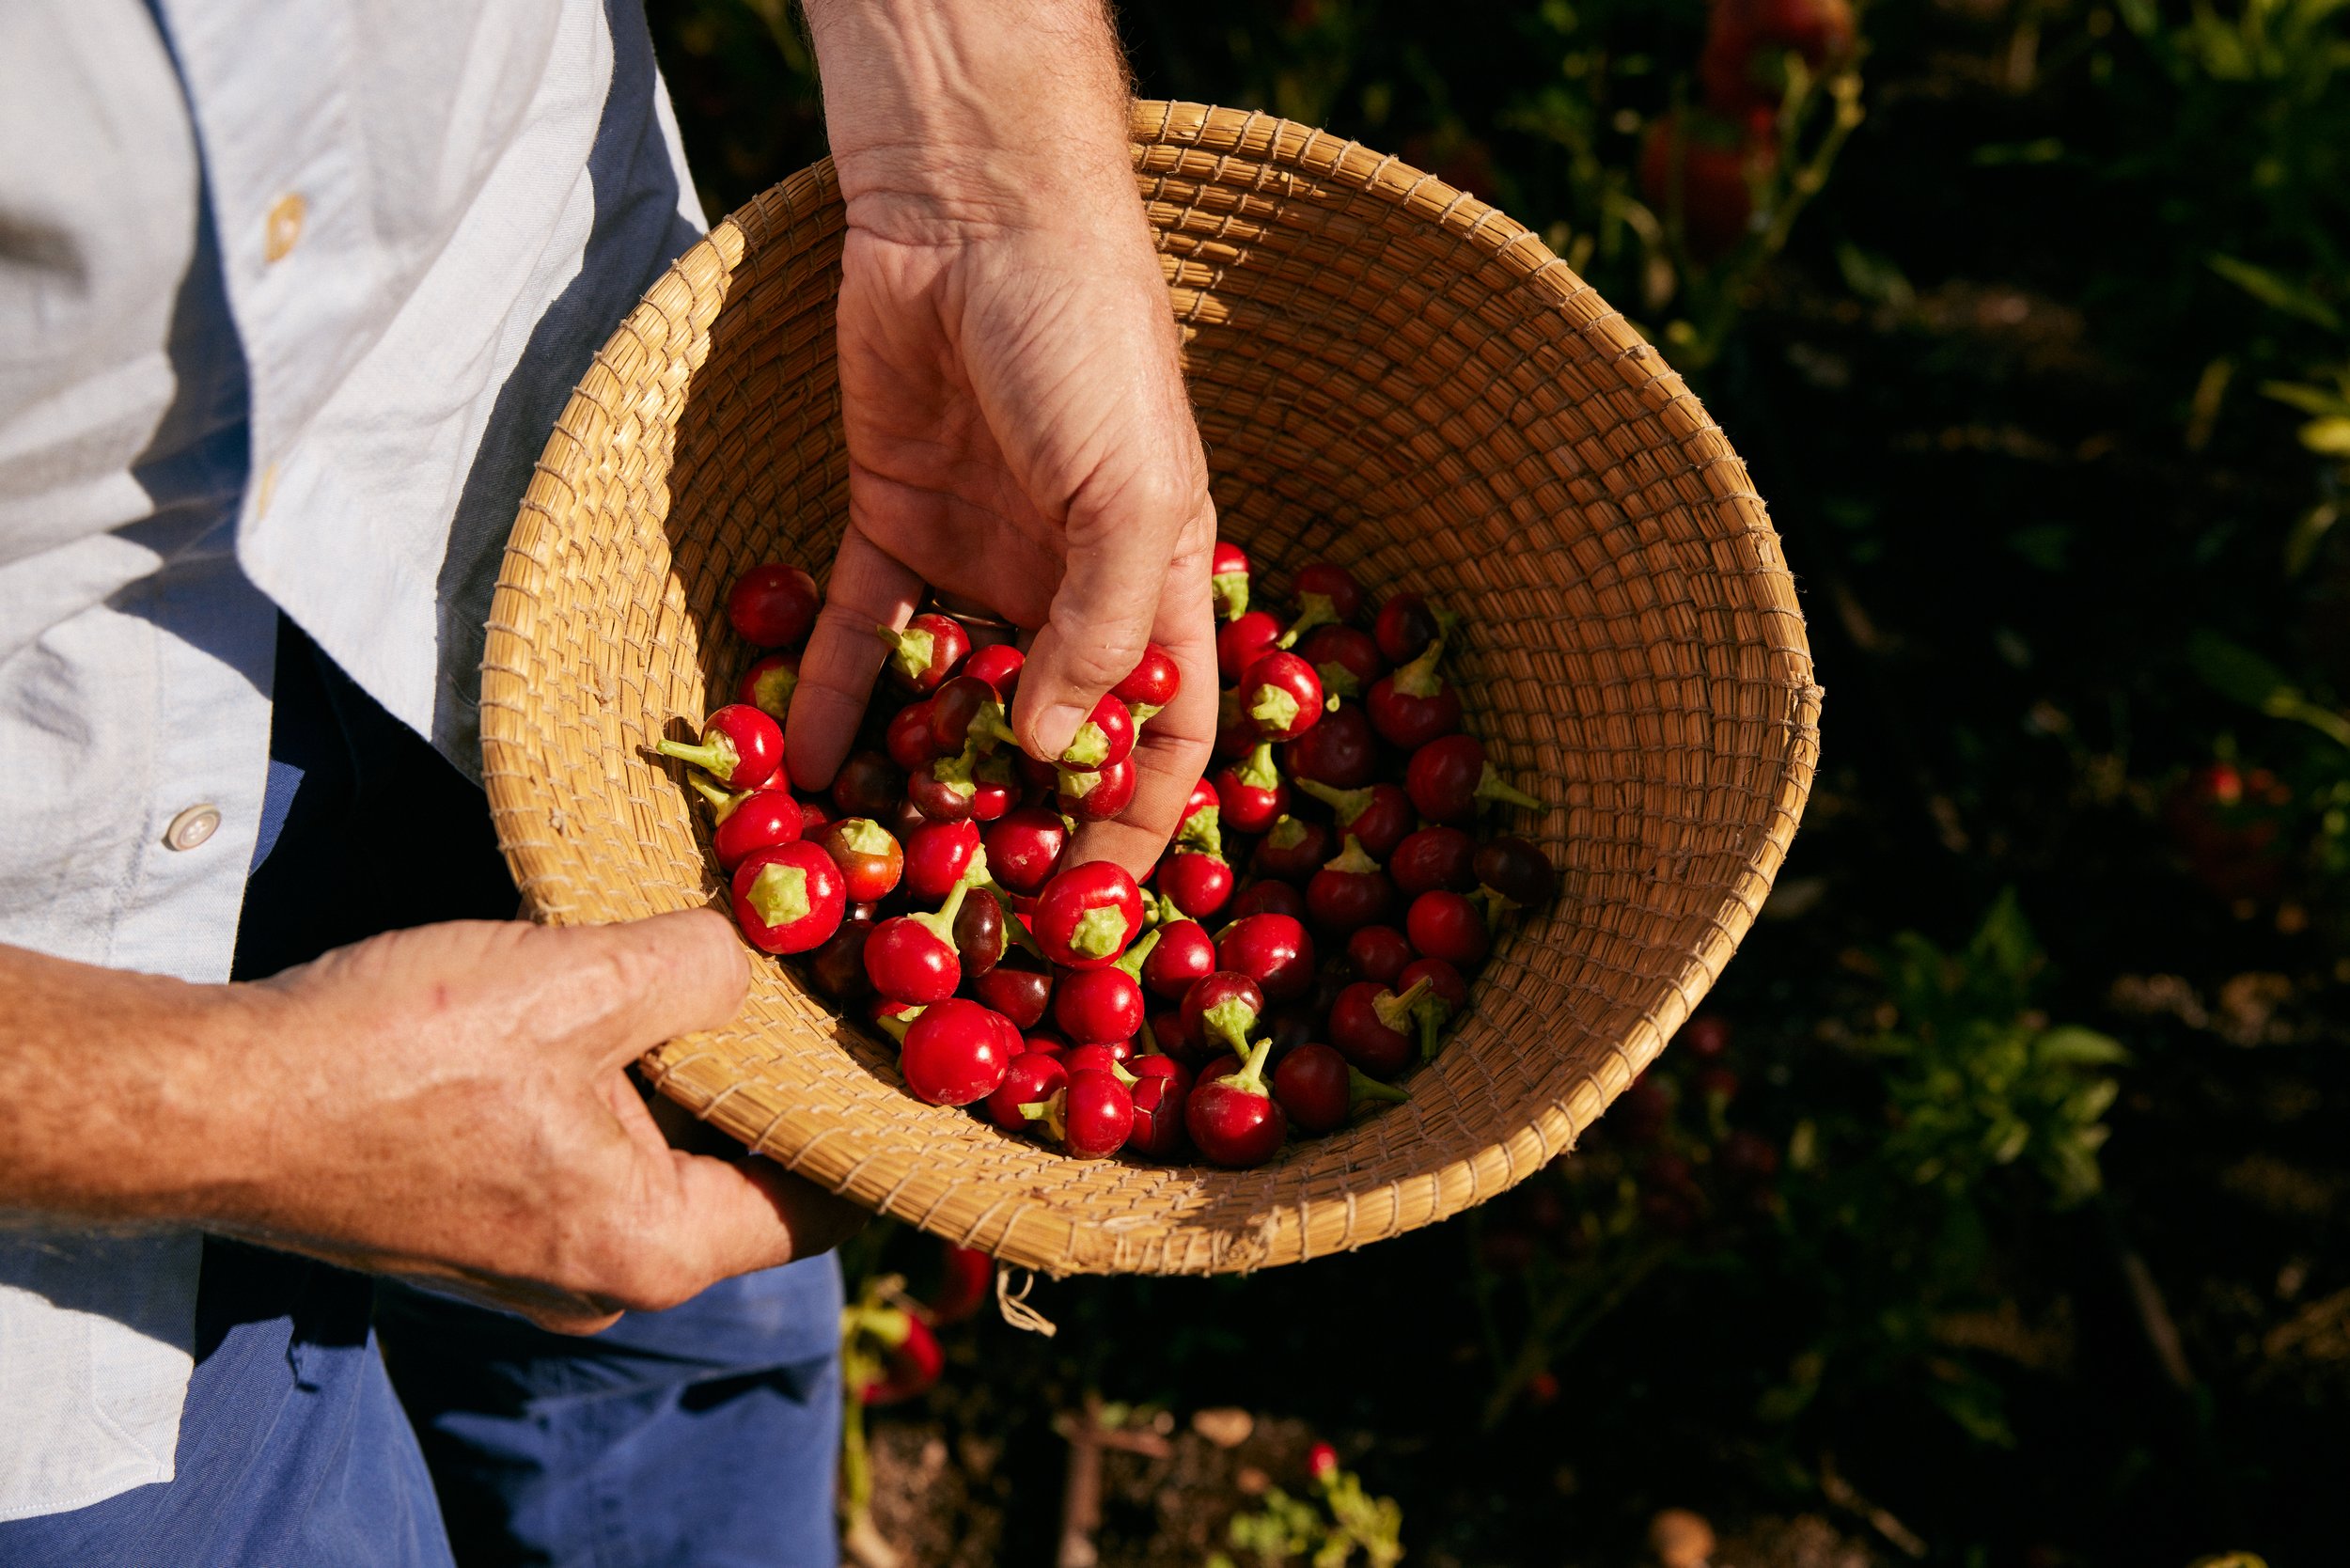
{"type": "Point", "coordinates": [191, 826]}
{"type": "Point", "coordinates": [284, 227]}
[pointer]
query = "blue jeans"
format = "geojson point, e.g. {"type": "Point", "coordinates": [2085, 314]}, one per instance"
{"type": "Point", "coordinates": [701, 1438]}
{"type": "Point", "coordinates": [703, 1435]}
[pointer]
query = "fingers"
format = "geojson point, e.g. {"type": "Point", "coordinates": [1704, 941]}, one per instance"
{"type": "Point", "coordinates": [843, 657]}
{"type": "Point", "coordinates": [717, 1215]}
{"type": "Point", "coordinates": [1111, 590]}
{"type": "Point", "coordinates": [746, 1215]}
{"type": "Point", "coordinates": [555, 1311]}
{"type": "Point", "coordinates": [1175, 746]}
{"type": "Point", "coordinates": [668, 975]}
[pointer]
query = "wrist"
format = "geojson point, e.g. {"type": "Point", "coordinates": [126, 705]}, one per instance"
{"type": "Point", "coordinates": [126, 1097]}
{"type": "Point", "coordinates": [950, 119]}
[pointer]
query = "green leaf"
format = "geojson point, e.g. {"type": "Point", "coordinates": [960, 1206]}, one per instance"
{"type": "Point", "coordinates": [2069, 1045]}
{"type": "Point", "coordinates": [2327, 437]}
{"type": "Point", "coordinates": [2006, 1139]}
{"type": "Point", "coordinates": [2234, 670]}
{"type": "Point", "coordinates": [2309, 532]}
{"type": "Point", "coordinates": [2006, 940]}
{"type": "Point", "coordinates": [2047, 149]}
{"type": "Point", "coordinates": [2320, 401]}
{"type": "Point", "coordinates": [2276, 292]}
{"type": "Point", "coordinates": [1975, 1405]}
{"type": "Point", "coordinates": [2091, 1103]}
{"type": "Point", "coordinates": [2237, 673]}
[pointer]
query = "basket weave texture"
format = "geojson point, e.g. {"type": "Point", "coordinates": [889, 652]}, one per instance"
{"type": "Point", "coordinates": [1387, 373]}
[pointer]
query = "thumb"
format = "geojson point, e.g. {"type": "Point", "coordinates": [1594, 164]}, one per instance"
{"type": "Point", "coordinates": [663, 976]}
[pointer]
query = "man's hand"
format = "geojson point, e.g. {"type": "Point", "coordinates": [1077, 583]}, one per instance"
{"type": "Point", "coordinates": [1017, 428]}
{"type": "Point", "coordinates": [450, 1103]}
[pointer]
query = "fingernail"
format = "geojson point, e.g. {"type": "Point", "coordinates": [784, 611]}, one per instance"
{"type": "Point", "coordinates": [1057, 727]}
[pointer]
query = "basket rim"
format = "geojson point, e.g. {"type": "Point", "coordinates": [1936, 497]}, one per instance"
{"type": "Point", "coordinates": [697, 1076]}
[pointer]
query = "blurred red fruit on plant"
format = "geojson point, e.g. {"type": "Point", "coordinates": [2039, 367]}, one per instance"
{"type": "Point", "coordinates": [1743, 67]}
{"type": "Point", "coordinates": [913, 1365]}
{"type": "Point", "coordinates": [967, 1275]}
{"type": "Point", "coordinates": [1707, 1036]}
{"type": "Point", "coordinates": [1705, 163]}
{"type": "Point", "coordinates": [1643, 1110]}
{"type": "Point", "coordinates": [2228, 824]}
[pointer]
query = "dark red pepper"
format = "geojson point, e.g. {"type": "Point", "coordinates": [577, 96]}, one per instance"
{"type": "Point", "coordinates": [774, 606]}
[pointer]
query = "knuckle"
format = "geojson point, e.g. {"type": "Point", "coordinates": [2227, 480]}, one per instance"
{"type": "Point", "coordinates": [1104, 656]}
{"type": "Point", "coordinates": [656, 1288]}
{"type": "Point", "coordinates": [630, 1272]}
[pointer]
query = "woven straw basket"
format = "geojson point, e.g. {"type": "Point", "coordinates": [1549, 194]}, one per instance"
{"type": "Point", "coordinates": [1387, 373]}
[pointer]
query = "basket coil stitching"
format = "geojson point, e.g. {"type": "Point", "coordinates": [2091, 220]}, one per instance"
{"type": "Point", "coordinates": [1388, 372]}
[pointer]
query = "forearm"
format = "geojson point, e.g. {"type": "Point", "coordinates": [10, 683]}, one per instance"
{"type": "Point", "coordinates": [953, 116]}
{"type": "Point", "coordinates": [120, 1094]}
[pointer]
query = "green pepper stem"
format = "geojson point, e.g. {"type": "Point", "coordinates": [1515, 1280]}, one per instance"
{"type": "Point", "coordinates": [1419, 677]}
{"type": "Point", "coordinates": [864, 836]}
{"type": "Point", "coordinates": [1353, 859]}
{"type": "Point", "coordinates": [1145, 711]}
{"type": "Point", "coordinates": [1014, 928]}
{"type": "Point", "coordinates": [1052, 1112]}
{"type": "Point", "coordinates": [1347, 804]}
{"type": "Point", "coordinates": [942, 924]}
{"type": "Point", "coordinates": [1250, 1079]}
{"type": "Point", "coordinates": [1433, 1012]}
{"type": "Point", "coordinates": [896, 1024]}
{"type": "Point", "coordinates": [957, 773]}
{"type": "Point", "coordinates": [1088, 748]}
{"type": "Point", "coordinates": [1257, 770]}
{"type": "Point", "coordinates": [988, 724]}
{"type": "Point", "coordinates": [1361, 1085]}
{"type": "Point", "coordinates": [772, 692]}
{"type": "Point", "coordinates": [1132, 959]}
{"type": "Point", "coordinates": [1230, 591]}
{"type": "Point", "coordinates": [1395, 1010]}
{"type": "Point", "coordinates": [1338, 680]}
{"type": "Point", "coordinates": [911, 650]}
{"type": "Point", "coordinates": [1229, 1021]}
{"type": "Point", "coordinates": [1313, 609]}
{"type": "Point", "coordinates": [1275, 710]}
{"type": "Point", "coordinates": [778, 894]}
{"type": "Point", "coordinates": [1494, 903]}
{"type": "Point", "coordinates": [1491, 786]}
{"type": "Point", "coordinates": [1203, 830]}
{"type": "Point", "coordinates": [722, 801]}
{"type": "Point", "coordinates": [1100, 931]}
{"type": "Point", "coordinates": [717, 758]}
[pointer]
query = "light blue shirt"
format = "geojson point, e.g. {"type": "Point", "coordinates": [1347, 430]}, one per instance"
{"type": "Point", "coordinates": [291, 294]}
